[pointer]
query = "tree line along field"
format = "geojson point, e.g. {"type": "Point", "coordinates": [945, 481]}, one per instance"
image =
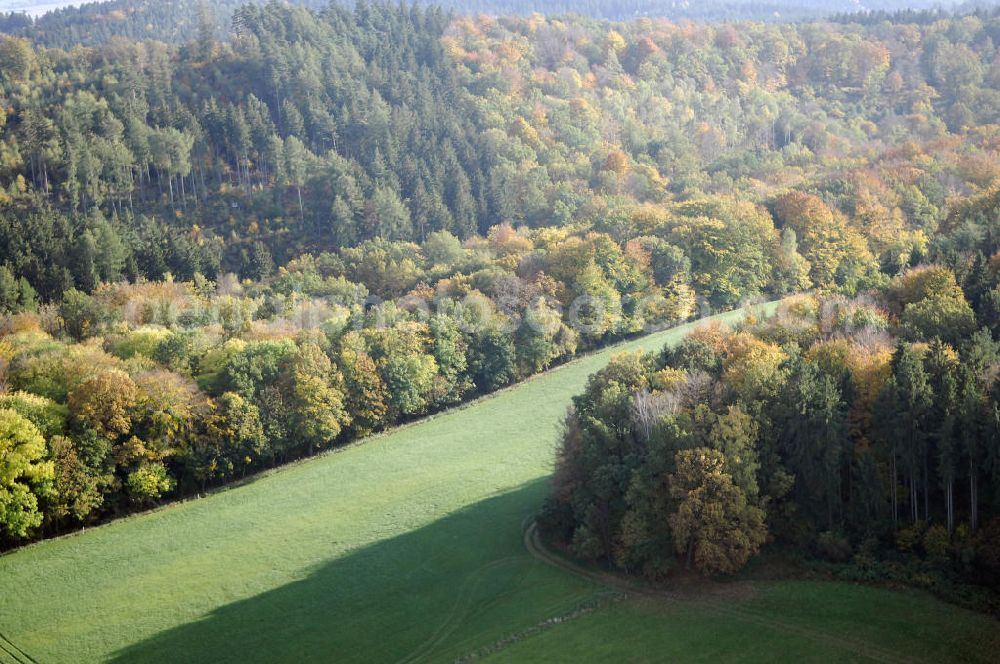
{"type": "Point", "coordinates": [409, 548]}
{"type": "Point", "coordinates": [189, 253]}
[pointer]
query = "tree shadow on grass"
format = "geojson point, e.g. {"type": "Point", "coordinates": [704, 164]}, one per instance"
{"type": "Point", "coordinates": [432, 593]}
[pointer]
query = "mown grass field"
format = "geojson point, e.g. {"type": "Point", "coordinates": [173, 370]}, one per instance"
{"type": "Point", "coordinates": [788, 621]}
{"type": "Point", "coordinates": [408, 547]}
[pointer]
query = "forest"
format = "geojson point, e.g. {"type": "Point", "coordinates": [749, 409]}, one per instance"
{"type": "Point", "coordinates": [222, 253]}
{"type": "Point", "coordinates": [863, 431]}
{"type": "Point", "coordinates": [175, 21]}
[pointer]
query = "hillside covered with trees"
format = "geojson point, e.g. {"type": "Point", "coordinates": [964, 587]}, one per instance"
{"type": "Point", "coordinates": [223, 254]}
{"type": "Point", "coordinates": [308, 132]}
{"type": "Point", "coordinates": [175, 21]}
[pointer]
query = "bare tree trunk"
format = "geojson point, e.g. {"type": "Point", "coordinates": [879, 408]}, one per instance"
{"type": "Point", "coordinates": [949, 499]}
{"type": "Point", "coordinates": [247, 185]}
{"type": "Point", "coordinates": [927, 491]}
{"type": "Point", "coordinates": [973, 498]}
{"type": "Point", "coordinates": [892, 482]}
{"type": "Point", "coordinates": [829, 509]}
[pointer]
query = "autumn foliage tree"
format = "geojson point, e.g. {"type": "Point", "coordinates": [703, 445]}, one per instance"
{"type": "Point", "coordinates": [714, 527]}
{"type": "Point", "coordinates": [25, 475]}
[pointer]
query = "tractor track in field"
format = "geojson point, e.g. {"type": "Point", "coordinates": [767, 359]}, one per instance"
{"type": "Point", "coordinates": [8, 649]}
{"type": "Point", "coordinates": [533, 543]}
{"type": "Point", "coordinates": [459, 610]}
{"type": "Point", "coordinates": [588, 603]}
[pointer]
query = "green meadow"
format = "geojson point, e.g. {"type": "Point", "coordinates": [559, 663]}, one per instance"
{"type": "Point", "coordinates": [409, 547]}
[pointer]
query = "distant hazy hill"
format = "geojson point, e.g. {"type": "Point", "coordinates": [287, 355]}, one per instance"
{"type": "Point", "coordinates": [64, 24]}
{"type": "Point", "coordinates": [32, 8]}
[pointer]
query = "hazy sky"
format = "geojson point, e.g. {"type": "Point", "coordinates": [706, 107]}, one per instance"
{"type": "Point", "coordinates": [33, 7]}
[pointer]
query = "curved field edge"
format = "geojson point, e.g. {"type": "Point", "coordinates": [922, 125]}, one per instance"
{"type": "Point", "coordinates": [787, 620]}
